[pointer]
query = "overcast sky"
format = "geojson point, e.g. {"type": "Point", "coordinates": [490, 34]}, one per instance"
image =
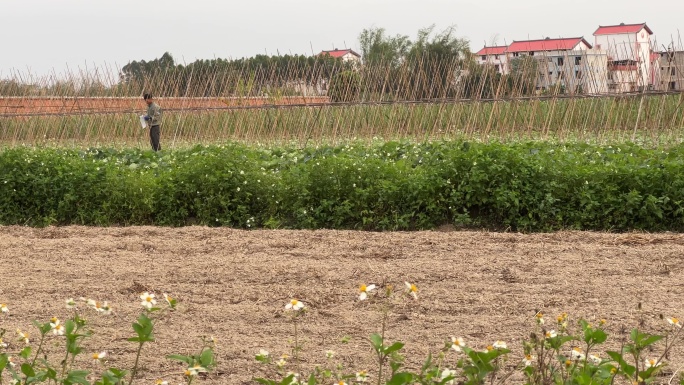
{"type": "Point", "coordinates": [42, 36]}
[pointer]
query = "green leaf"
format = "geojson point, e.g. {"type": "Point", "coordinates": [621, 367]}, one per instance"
{"type": "Point", "coordinates": [376, 341]}
{"type": "Point", "coordinates": [178, 357]}
{"type": "Point", "coordinates": [265, 381]}
{"type": "Point", "coordinates": [599, 336]}
{"type": "Point", "coordinates": [650, 340]}
{"type": "Point", "coordinates": [400, 379]}
{"type": "Point", "coordinates": [25, 352]}
{"type": "Point", "coordinates": [312, 380]}
{"type": "Point", "coordinates": [77, 377]}
{"type": "Point", "coordinates": [624, 366]}
{"type": "Point", "coordinates": [394, 347]}
{"type": "Point", "coordinates": [27, 369]}
{"type": "Point", "coordinates": [4, 359]}
{"type": "Point", "coordinates": [207, 358]}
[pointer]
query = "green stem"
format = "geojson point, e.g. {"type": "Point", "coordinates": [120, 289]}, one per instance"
{"type": "Point", "coordinates": [381, 354]}
{"type": "Point", "coordinates": [40, 346]}
{"type": "Point", "coordinates": [296, 346]}
{"type": "Point", "coordinates": [135, 366]}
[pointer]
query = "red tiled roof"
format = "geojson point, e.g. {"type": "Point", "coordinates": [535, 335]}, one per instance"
{"type": "Point", "coordinates": [546, 44]}
{"type": "Point", "coordinates": [622, 28]}
{"type": "Point", "coordinates": [336, 53]}
{"type": "Point", "coordinates": [494, 50]}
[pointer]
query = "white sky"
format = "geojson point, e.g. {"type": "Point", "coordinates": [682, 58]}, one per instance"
{"type": "Point", "coordinates": [40, 37]}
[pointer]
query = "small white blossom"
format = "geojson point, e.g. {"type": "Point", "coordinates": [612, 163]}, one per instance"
{"type": "Point", "coordinates": [364, 290]}
{"type": "Point", "coordinates": [457, 343]}
{"type": "Point", "coordinates": [294, 305]}
{"type": "Point", "coordinates": [148, 300]}
{"type": "Point", "coordinates": [499, 345]}
{"type": "Point", "coordinates": [99, 356]}
{"type": "Point", "coordinates": [70, 303]}
{"type": "Point", "coordinates": [448, 373]}
{"type": "Point", "coordinates": [412, 290]}
{"type": "Point", "coordinates": [362, 376]}
{"type": "Point", "coordinates": [551, 334]}
{"type": "Point", "coordinates": [3, 308]}
{"type": "Point", "coordinates": [674, 322]}
{"type": "Point", "coordinates": [528, 360]}
{"type": "Point", "coordinates": [329, 354]}
{"type": "Point", "coordinates": [595, 359]}
{"type": "Point", "coordinates": [576, 353]}
{"type": "Point", "coordinates": [652, 363]}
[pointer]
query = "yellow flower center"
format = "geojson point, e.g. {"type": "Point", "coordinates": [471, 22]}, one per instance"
{"type": "Point", "coordinates": [414, 288]}
{"type": "Point", "coordinates": [568, 363]}
{"type": "Point", "coordinates": [294, 302]}
{"type": "Point", "coordinates": [540, 315]}
{"type": "Point", "coordinates": [613, 370]}
{"type": "Point", "coordinates": [362, 288]}
{"type": "Point", "coordinates": [187, 372]}
{"type": "Point", "coordinates": [490, 348]}
{"type": "Point", "coordinates": [674, 320]}
{"type": "Point", "coordinates": [528, 357]}
{"type": "Point", "coordinates": [53, 319]}
{"type": "Point", "coordinates": [96, 356]}
{"type": "Point", "coordinates": [602, 322]}
{"type": "Point", "coordinates": [148, 299]}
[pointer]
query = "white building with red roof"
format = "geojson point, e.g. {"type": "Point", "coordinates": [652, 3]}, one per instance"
{"type": "Point", "coordinates": [347, 55]}
{"type": "Point", "coordinates": [495, 56]}
{"type": "Point", "coordinates": [629, 55]}
{"type": "Point", "coordinates": [570, 63]}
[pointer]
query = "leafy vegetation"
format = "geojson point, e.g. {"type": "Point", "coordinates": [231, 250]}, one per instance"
{"type": "Point", "coordinates": [529, 186]}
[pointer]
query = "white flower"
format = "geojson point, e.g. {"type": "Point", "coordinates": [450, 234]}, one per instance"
{"type": "Point", "coordinates": [674, 322]}
{"type": "Point", "coordinates": [2, 344]}
{"type": "Point", "coordinates": [169, 300]}
{"type": "Point", "coordinates": [148, 300]}
{"type": "Point", "coordinates": [499, 345]}
{"type": "Point", "coordinates": [56, 326]}
{"type": "Point", "coordinates": [364, 290]}
{"type": "Point", "coordinates": [294, 305]}
{"type": "Point", "coordinates": [99, 356]}
{"type": "Point", "coordinates": [70, 303]}
{"type": "Point", "coordinates": [528, 360]}
{"type": "Point", "coordinates": [448, 373]}
{"type": "Point", "coordinates": [23, 336]}
{"type": "Point", "coordinates": [3, 308]}
{"type": "Point", "coordinates": [576, 353]}
{"type": "Point", "coordinates": [457, 343]}
{"type": "Point", "coordinates": [341, 382]}
{"type": "Point", "coordinates": [595, 359]}
{"type": "Point", "coordinates": [161, 382]}
{"type": "Point", "coordinates": [329, 354]}
{"type": "Point", "coordinates": [105, 309]}
{"type": "Point", "coordinates": [263, 353]}
{"type": "Point", "coordinates": [281, 362]}
{"type": "Point", "coordinates": [412, 289]}
{"type": "Point", "coordinates": [652, 363]}
{"type": "Point", "coordinates": [362, 376]}
{"type": "Point", "coordinates": [540, 318]}
{"type": "Point", "coordinates": [194, 370]}
{"type": "Point", "coordinates": [551, 334]}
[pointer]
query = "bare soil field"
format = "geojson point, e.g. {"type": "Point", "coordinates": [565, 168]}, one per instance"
{"type": "Point", "coordinates": [233, 285]}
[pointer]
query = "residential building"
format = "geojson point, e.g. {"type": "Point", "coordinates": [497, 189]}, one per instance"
{"type": "Point", "coordinates": [347, 55]}
{"type": "Point", "coordinates": [671, 71]}
{"type": "Point", "coordinates": [494, 56]}
{"type": "Point", "coordinates": [629, 55]}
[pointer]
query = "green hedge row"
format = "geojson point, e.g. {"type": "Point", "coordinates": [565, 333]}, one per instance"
{"type": "Point", "coordinates": [534, 186]}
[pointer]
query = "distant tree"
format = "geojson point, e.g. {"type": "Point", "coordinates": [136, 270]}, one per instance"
{"type": "Point", "coordinates": [345, 87]}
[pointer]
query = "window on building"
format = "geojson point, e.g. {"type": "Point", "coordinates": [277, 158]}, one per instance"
{"type": "Point", "coordinates": [560, 61]}
{"type": "Point", "coordinates": [578, 60]}
{"type": "Point", "coordinates": [531, 53]}
{"type": "Point", "coordinates": [516, 54]}
{"type": "Point", "coordinates": [550, 73]}
{"type": "Point", "coordinates": [672, 85]}
{"type": "Point", "coordinates": [496, 67]}
{"type": "Point", "coordinates": [484, 57]}
{"type": "Point", "coordinates": [672, 71]}
{"type": "Point", "coordinates": [496, 57]}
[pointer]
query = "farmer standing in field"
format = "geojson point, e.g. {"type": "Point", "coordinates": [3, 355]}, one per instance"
{"type": "Point", "coordinates": [153, 119]}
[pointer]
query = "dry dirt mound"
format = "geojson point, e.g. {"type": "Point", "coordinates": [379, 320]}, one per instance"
{"type": "Point", "coordinates": [233, 284]}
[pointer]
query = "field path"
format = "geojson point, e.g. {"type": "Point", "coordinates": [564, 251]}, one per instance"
{"type": "Point", "coordinates": [233, 284]}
